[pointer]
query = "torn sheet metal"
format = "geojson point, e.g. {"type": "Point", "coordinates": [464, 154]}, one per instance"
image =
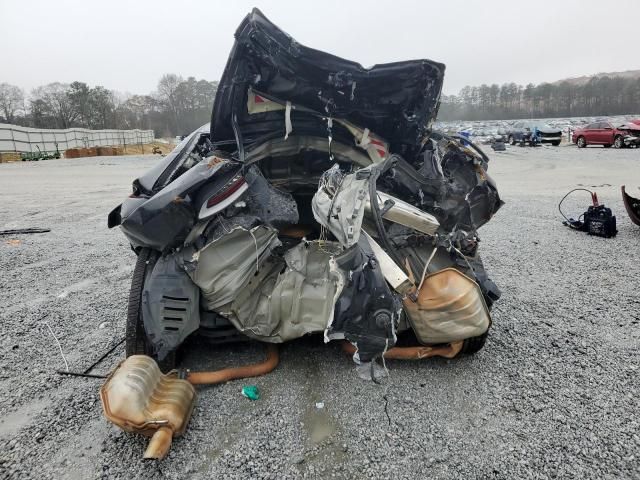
{"type": "Point", "coordinates": [367, 312]}
{"type": "Point", "coordinates": [163, 221]}
{"type": "Point", "coordinates": [470, 195]}
{"type": "Point", "coordinates": [224, 266]}
{"type": "Point", "coordinates": [339, 204]}
{"type": "Point", "coordinates": [342, 200]}
{"type": "Point", "coordinates": [272, 206]}
{"type": "Point", "coordinates": [289, 297]}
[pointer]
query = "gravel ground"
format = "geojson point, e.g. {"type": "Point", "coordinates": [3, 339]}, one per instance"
{"type": "Point", "coordinates": [554, 394]}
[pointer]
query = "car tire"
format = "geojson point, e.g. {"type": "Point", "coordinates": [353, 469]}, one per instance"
{"type": "Point", "coordinates": [618, 142]}
{"type": "Point", "coordinates": [555, 144]}
{"type": "Point", "coordinates": [581, 142]}
{"type": "Point", "coordinates": [136, 342]}
{"type": "Point", "coordinates": [474, 344]}
{"type": "Point", "coordinates": [512, 141]}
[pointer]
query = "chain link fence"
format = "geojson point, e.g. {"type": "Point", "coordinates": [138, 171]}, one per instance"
{"type": "Point", "coordinates": [14, 138]}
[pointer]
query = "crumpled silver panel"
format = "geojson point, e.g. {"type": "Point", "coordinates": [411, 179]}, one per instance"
{"type": "Point", "coordinates": [224, 266]}
{"type": "Point", "coordinates": [339, 204]}
{"type": "Point", "coordinates": [290, 298]}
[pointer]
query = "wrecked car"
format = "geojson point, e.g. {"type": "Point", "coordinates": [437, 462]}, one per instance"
{"type": "Point", "coordinates": [317, 201]}
{"type": "Point", "coordinates": [606, 134]}
{"type": "Point", "coordinates": [522, 132]}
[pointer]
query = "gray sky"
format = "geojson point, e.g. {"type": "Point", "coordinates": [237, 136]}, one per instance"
{"type": "Point", "coordinates": [128, 45]}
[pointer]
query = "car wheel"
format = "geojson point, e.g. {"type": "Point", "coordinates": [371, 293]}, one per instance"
{"type": "Point", "coordinates": [618, 142]}
{"type": "Point", "coordinates": [582, 142]}
{"type": "Point", "coordinates": [512, 141]}
{"type": "Point", "coordinates": [136, 342]}
{"type": "Point", "coordinates": [474, 344]}
{"type": "Point", "coordinates": [555, 144]}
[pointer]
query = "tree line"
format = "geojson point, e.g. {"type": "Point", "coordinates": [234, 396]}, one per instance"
{"type": "Point", "coordinates": [604, 95]}
{"type": "Point", "coordinates": [177, 107]}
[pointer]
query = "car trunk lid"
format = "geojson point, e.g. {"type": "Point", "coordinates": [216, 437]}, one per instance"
{"type": "Point", "coordinates": [397, 101]}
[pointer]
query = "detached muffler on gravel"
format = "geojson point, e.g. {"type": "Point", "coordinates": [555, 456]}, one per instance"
{"type": "Point", "coordinates": [139, 398]}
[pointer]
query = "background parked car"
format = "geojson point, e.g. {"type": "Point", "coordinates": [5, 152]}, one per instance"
{"type": "Point", "coordinates": [604, 133]}
{"type": "Point", "coordinates": [521, 133]}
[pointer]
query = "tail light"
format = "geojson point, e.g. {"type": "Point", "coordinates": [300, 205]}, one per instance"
{"type": "Point", "coordinates": [236, 183]}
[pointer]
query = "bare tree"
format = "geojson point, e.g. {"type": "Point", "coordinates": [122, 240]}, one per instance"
{"type": "Point", "coordinates": [57, 103]}
{"type": "Point", "coordinates": [11, 100]}
{"type": "Point", "coordinates": [167, 87]}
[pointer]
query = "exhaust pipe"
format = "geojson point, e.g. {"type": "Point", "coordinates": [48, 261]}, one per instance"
{"type": "Point", "coordinates": [247, 371]}
{"type": "Point", "coordinates": [414, 353]}
{"type": "Point", "coordinates": [159, 444]}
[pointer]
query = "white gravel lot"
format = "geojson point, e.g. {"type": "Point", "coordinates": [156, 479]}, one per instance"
{"type": "Point", "coordinates": [554, 394]}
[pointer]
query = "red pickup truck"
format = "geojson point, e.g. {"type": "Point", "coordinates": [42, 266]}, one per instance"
{"type": "Point", "coordinates": [604, 133]}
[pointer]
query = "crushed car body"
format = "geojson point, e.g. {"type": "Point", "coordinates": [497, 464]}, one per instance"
{"type": "Point", "coordinates": [318, 200]}
{"type": "Point", "coordinates": [630, 134]}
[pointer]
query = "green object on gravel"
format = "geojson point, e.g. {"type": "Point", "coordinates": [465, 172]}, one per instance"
{"type": "Point", "coordinates": [251, 392]}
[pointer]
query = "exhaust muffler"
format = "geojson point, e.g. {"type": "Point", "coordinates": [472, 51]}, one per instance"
{"type": "Point", "coordinates": [139, 398]}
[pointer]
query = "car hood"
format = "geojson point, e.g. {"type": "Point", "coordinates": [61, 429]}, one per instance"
{"type": "Point", "coordinates": [630, 127]}
{"type": "Point", "coordinates": [397, 101]}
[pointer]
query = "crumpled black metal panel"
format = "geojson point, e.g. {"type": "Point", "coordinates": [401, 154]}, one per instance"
{"type": "Point", "coordinates": [367, 311]}
{"type": "Point", "coordinates": [397, 100]}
